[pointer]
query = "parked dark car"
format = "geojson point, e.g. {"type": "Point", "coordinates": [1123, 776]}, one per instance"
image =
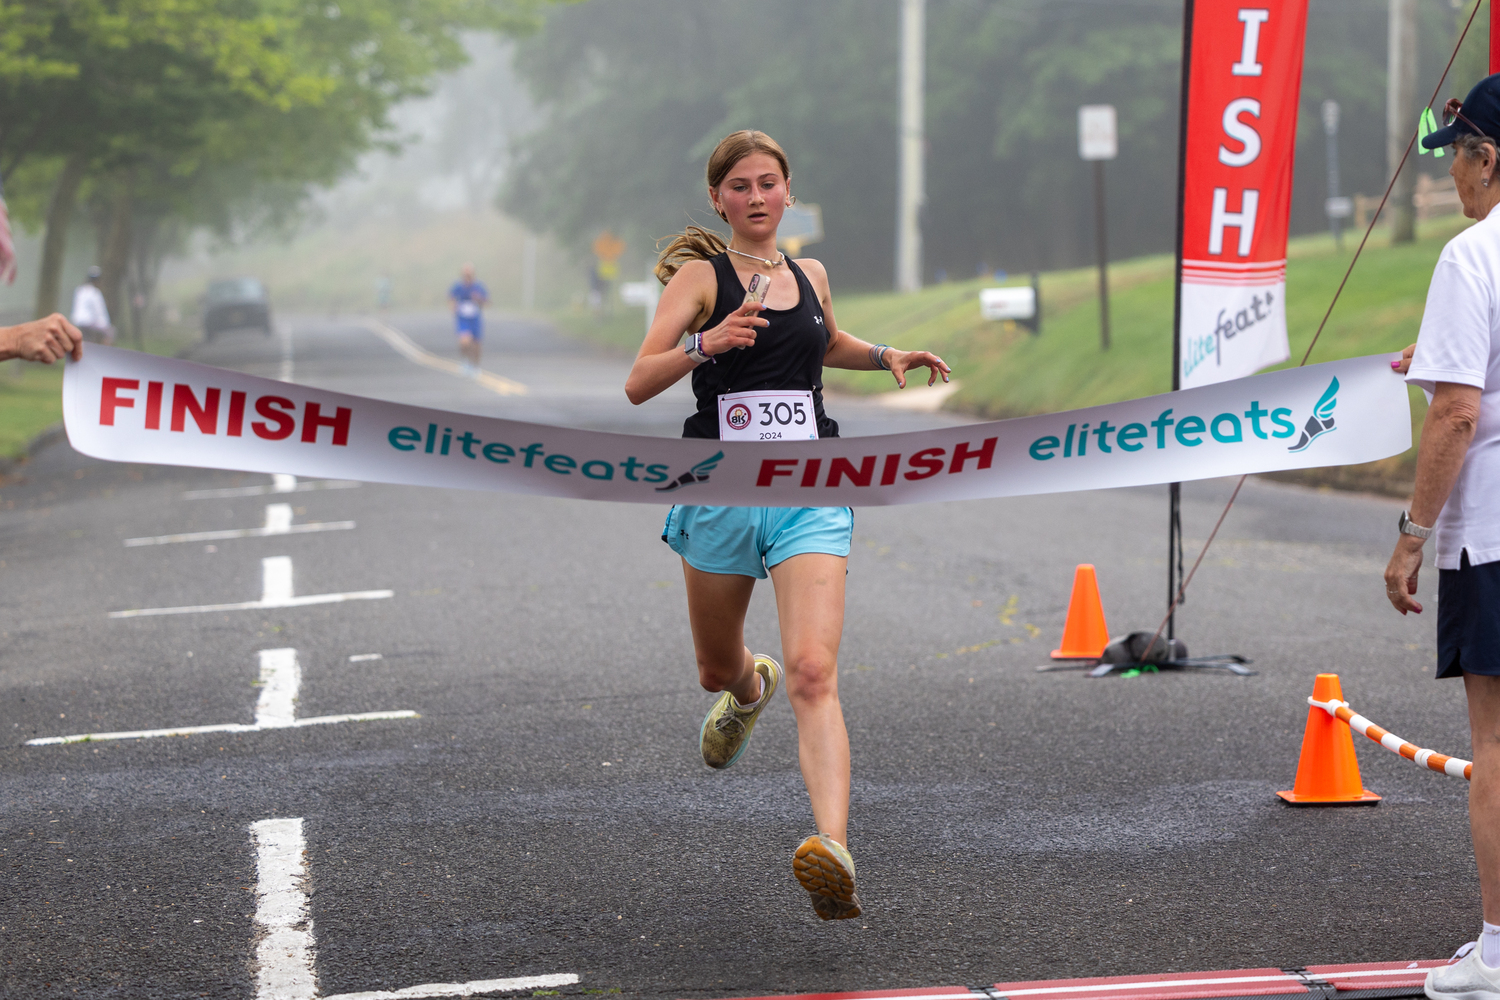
{"type": "Point", "coordinates": [236, 304]}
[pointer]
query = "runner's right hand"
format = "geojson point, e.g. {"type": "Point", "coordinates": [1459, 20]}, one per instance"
{"type": "Point", "coordinates": [737, 330]}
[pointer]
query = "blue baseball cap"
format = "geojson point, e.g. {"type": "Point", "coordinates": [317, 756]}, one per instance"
{"type": "Point", "coordinates": [1479, 114]}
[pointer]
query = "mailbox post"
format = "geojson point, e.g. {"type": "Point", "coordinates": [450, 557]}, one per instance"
{"type": "Point", "coordinates": [1097, 142]}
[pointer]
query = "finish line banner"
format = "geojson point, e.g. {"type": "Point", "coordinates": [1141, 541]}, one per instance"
{"type": "Point", "coordinates": [123, 406]}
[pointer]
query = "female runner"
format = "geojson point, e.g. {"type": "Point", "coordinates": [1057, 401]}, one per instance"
{"type": "Point", "coordinates": [734, 347]}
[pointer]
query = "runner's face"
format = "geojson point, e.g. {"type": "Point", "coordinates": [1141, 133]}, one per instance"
{"type": "Point", "coordinates": [753, 196]}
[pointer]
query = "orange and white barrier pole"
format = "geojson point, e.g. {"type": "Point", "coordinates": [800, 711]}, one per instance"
{"type": "Point", "coordinates": [1430, 759]}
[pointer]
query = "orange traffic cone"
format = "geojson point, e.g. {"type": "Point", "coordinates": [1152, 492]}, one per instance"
{"type": "Point", "coordinates": [1084, 633]}
{"type": "Point", "coordinates": [1328, 773]}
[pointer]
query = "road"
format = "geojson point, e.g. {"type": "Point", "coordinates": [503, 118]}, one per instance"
{"type": "Point", "coordinates": [546, 812]}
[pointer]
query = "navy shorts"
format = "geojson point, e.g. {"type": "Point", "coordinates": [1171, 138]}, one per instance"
{"type": "Point", "coordinates": [746, 541]}
{"type": "Point", "coordinates": [1468, 624]}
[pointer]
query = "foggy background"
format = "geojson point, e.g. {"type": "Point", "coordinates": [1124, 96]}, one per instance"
{"type": "Point", "coordinates": [603, 119]}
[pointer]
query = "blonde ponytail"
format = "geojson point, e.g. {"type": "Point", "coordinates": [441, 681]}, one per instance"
{"type": "Point", "coordinates": [693, 243]}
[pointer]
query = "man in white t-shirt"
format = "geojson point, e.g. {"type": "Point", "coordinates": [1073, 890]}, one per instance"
{"type": "Point", "coordinates": [1457, 497]}
{"type": "Point", "coordinates": [90, 314]}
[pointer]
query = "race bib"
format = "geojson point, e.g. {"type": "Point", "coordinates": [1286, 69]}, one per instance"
{"type": "Point", "coordinates": [467, 308]}
{"type": "Point", "coordinates": [767, 416]}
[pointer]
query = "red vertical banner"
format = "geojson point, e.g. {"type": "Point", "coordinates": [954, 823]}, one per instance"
{"type": "Point", "coordinates": [1245, 78]}
{"type": "Point", "coordinates": [1494, 38]}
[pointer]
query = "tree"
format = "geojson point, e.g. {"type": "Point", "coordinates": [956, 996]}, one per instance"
{"type": "Point", "coordinates": [634, 93]}
{"type": "Point", "coordinates": [125, 92]}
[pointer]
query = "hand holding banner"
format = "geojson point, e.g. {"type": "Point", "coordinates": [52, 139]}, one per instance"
{"type": "Point", "coordinates": [128, 407]}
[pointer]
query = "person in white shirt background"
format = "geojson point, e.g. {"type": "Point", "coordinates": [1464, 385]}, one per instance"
{"type": "Point", "coordinates": [90, 314]}
{"type": "Point", "coordinates": [1456, 361]}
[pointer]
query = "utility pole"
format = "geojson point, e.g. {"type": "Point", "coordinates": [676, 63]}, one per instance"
{"type": "Point", "coordinates": [1401, 113]}
{"type": "Point", "coordinates": [911, 192]}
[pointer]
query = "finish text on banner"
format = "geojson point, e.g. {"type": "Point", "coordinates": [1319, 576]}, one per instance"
{"type": "Point", "coordinates": [129, 407]}
{"type": "Point", "coordinates": [1245, 76]}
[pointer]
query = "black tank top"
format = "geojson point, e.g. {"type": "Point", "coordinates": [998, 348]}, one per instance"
{"type": "Point", "coordinates": [787, 354]}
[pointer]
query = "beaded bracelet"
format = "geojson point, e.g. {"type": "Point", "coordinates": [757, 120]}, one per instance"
{"type": "Point", "coordinates": [694, 350]}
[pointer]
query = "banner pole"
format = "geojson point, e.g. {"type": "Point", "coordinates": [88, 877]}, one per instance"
{"type": "Point", "coordinates": [1174, 490]}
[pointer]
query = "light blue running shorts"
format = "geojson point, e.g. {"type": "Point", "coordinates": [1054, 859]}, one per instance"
{"type": "Point", "coordinates": [746, 541]}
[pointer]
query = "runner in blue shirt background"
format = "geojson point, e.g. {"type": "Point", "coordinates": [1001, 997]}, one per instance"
{"type": "Point", "coordinates": [469, 298]}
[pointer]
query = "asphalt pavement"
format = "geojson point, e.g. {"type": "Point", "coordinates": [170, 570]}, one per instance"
{"type": "Point", "coordinates": [546, 812]}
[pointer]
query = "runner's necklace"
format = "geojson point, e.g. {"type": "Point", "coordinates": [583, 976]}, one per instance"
{"type": "Point", "coordinates": [762, 260]}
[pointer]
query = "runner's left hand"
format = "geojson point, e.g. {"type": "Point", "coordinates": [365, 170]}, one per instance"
{"type": "Point", "coordinates": [902, 362]}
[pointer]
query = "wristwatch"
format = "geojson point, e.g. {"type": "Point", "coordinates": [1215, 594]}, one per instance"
{"type": "Point", "coordinates": [1409, 527]}
{"type": "Point", "coordinates": [694, 350]}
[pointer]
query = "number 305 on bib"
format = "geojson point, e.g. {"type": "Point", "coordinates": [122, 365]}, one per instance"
{"type": "Point", "coordinates": [767, 416]}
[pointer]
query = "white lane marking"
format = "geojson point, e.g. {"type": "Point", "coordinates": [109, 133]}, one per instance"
{"type": "Point", "coordinates": [285, 375]}
{"type": "Point", "coordinates": [259, 491]}
{"type": "Point", "coordinates": [278, 518]}
{"type": "Point", "coordinates": [140, 734]}
{"type": "Point", "coordinates": [287, 954]}
{"type": "Point", "coordinates": [404, 346]}
{"type": "Point", "coordinates": [362, 657]}
{"type": "Point", "coordinates": [276, 592]}
{"type": "Point", "coordinates": [276, 708]}
{"type": "Point", "coordinates": [1409, 970]}
{"type": "Point", "coordinates": [228, 727]}
{"type": "Point", "coordinates": [1154, 985]}
{"type": "Point", "coordinates": [276, 579]}
{"type": "Point", "coordinates": [284, 955]}
{"type": "Point", "coordinates": [278, 522]}
{"type": "Point", "coordinates": [281, 482]}
{"type": "Point", "coordinates": [280, 679]}
{"type": "Point", "coordinates": [471, 988]}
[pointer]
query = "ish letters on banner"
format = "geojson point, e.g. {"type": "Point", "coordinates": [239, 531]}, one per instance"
{"type": "Point", "coordinates": [1245, 77]}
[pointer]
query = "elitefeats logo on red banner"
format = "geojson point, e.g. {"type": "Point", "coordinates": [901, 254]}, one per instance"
{"type": "Point", "coordinates": [1245, 78]}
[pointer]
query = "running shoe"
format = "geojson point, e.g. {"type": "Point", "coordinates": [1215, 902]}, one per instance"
{"type": "Point", "coordinates": [1466, 979]}
{"type": "Point", "coordinates": [726, 728]}
{"type": "Point", "coordinates": [826, 871]}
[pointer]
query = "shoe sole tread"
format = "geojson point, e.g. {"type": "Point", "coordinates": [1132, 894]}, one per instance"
{"type": "Point", "coordinates": [822, 873]}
